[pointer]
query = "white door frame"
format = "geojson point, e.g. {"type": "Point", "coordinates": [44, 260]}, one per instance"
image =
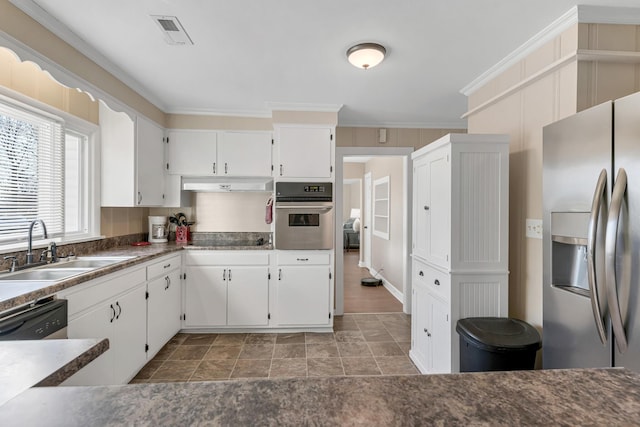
{"type": "Point", "coordinates": [341, 153]}
{"type": "Point", "coordinates": [365, 259]}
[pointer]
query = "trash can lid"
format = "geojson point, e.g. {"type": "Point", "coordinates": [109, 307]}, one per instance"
{"type": "Point", "coordinates": [499, 333]}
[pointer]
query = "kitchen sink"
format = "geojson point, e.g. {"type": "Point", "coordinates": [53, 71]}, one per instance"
{"type": "Point", "coordinates": [88, 262]}
{"type": "Point", "coordinates": [57, 271]}
{"type": "Point", "coordinates": [43, 275]}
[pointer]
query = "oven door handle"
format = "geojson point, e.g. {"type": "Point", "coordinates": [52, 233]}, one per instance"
{"type": "Point", "coordinates": [306, 207]}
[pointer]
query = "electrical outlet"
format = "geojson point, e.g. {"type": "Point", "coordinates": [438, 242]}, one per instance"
{"type": "Point", "coordinates": [534, 228]}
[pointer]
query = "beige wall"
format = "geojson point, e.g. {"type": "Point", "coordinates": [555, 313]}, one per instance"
{"type": "Point", "coordinates": [184, 121]}
{"type": "Point", "coordinates": [352, 195]}
{"type": "Point", "coordinates": [387, 255]}
{"type": "Point", "coordinates": [520, 102]}
{"type": "Point", "coordinates": [396, 137]}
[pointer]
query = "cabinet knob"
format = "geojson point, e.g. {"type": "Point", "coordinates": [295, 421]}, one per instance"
{"type": "Point", "coordinates": [421, 273]}
{"type": "Point", "coordinates": [436, 282]}
{"type": "Point", "coordinates": [426, 208]}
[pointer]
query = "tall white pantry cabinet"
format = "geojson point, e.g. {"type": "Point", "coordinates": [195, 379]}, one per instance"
{"type": "Point", "coordinates": [459, 242]}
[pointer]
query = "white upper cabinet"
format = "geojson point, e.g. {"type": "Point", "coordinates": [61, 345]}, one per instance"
{"type": "Point", "coordinates": [245, 154]}
{"type": "Point", "coordinates": [132, 160]}
{"type": "Point", "coordinates": [219, 153]}
{"type": "Point", "coordinates": [192, 152]}
{"type": "Point", "coordinates": [150, 159]}
{"type": "Point", "coordinates": [305, 152]}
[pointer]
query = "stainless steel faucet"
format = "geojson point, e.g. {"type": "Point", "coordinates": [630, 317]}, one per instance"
{"type": "Point", "coordinates": [44, 234]}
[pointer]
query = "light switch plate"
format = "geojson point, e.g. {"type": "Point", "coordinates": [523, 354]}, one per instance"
{"type": "Point", "coordinates": [534, 228]}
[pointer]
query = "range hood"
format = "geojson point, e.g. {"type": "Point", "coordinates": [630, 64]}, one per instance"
{"type": "Point", "coordinates": [213, 184]}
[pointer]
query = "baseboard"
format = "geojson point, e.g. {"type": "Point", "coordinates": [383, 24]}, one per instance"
{"type": "Point", "coordinates": [388, 286]}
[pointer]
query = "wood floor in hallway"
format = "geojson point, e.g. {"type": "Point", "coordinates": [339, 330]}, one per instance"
{"type": "Point", "coordinates": [365, 299]}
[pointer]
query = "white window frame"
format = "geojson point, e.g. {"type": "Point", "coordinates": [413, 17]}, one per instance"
{"type": "Point", "coordinates": [76, 125]}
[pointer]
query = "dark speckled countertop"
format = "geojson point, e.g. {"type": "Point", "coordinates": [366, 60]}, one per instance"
{"type": "Point", "coordinates": [14, 294]}
{"type": "Point", "coordinates": [582, 397]}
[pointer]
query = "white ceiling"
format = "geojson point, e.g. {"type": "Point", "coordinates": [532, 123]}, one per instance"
{"type": "Point", "coordinates": [251, 54]}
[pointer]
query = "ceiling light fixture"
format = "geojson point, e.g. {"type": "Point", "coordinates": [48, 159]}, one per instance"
{"type": "Point", "coordinates": [366, 55]}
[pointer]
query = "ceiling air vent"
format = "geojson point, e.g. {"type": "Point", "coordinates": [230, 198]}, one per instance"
{"type": "Point", "coordinates": [174, 32]}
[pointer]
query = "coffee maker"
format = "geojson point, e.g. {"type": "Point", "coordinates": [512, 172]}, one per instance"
{"type": "Point", "coordinates": [158, 229]}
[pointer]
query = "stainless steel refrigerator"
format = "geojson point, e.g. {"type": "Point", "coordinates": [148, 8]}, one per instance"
{"type": "Point", "coordinates": [591, 238]}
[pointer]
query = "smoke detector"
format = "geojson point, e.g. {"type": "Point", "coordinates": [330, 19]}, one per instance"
{"type": "Point", "coordinates": [174, 32]}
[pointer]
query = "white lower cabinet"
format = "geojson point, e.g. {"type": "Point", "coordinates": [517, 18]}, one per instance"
{"type": "Point", "coordinates": [164, 307]}
{"type": "Point", "coordinates": [226, 289]}
{"type": "Point", "coordinates": [113, 308]}
{"type": "Point", "coordinates": [205, 292]}
{"type": "Point", "coordinates": [303, 289]}
{"type": "Point", "coordinates": [430, 331]}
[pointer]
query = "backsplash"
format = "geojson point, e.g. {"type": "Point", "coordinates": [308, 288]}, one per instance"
{"type": "Point", "coordinates": [123, 221]}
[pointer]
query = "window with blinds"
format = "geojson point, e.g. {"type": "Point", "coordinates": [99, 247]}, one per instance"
{"type": "Point", "coordinates": [31, 173]}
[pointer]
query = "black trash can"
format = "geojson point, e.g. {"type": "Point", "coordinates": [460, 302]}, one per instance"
{"type": "Point", "coordinates": [497, 344]}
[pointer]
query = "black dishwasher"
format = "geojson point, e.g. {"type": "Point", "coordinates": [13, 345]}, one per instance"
{"type": "Point", "coordinates": [45, 319]}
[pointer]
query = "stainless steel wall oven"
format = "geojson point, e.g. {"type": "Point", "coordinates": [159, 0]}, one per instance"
{"type": "Point", "coordinates": [304, 215]}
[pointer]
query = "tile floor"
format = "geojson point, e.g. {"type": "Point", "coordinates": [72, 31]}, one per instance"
{"type": "Point", "coordinates": [361, 344]}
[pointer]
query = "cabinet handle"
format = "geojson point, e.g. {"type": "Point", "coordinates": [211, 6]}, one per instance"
{"type": "Point", "coordinates": [426, 208]}
{"type": "Point", "coordinates": [229, 274]}
{"type": "Point", "coordinates": [302, 259]}
{"type": "Point", "coordinates": [224, 274]}
{"type": "Point", "coordinates": [279, 274]}
{"type": "Point", "coordinates": [226, 168]}
{"type": "Point", "coordinates": [214, 167]}
{"type": "Point", "coordinates": [168, 280]}
{"type": "Point", "coordinates": [119, 310]}
{"type": "Point", "coordinates": [281, 170]}
{"type": "Point", "coordinates": [113, 313]}
{"type": "Point", "coordinates": [421, 273]}
{"type": "Point", "coordinates": [139, 197]}
{"type": "Point", "coordinates": [436, 282]}
{"type": "Point", "coordinates": [167, 266]}
{"type": "Point", "coordinates": [427, 332]}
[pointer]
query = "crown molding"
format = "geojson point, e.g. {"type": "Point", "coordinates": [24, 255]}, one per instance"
{"type": "Point", "coordinates": [262, 114]}
{"type": "Point", "coordinates": [461, 124]}
{"type": "Point", "coordinates": [551, 31]}
{"type": "Point", "coordinates": [41, 16]}
{"type": "Point", "coordinates": [296, 106]}
{"type": "Point", "coordinates": [577, 14]}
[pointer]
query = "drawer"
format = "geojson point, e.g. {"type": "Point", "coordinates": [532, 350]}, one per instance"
{"type": "Point", "coordinates": [303, 258]}
{"type": "Point", "coordinates": [438, 282]}
{"type": "Point", "coordinates": [95, 291]}
{"type": "Point", "coordinates": [162, 267]}
{"type": "Point", "coordinates": [218, 258]}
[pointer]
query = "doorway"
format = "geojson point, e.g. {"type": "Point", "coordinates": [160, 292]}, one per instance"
{"type": "Point", "coordinates": [367, 259]}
